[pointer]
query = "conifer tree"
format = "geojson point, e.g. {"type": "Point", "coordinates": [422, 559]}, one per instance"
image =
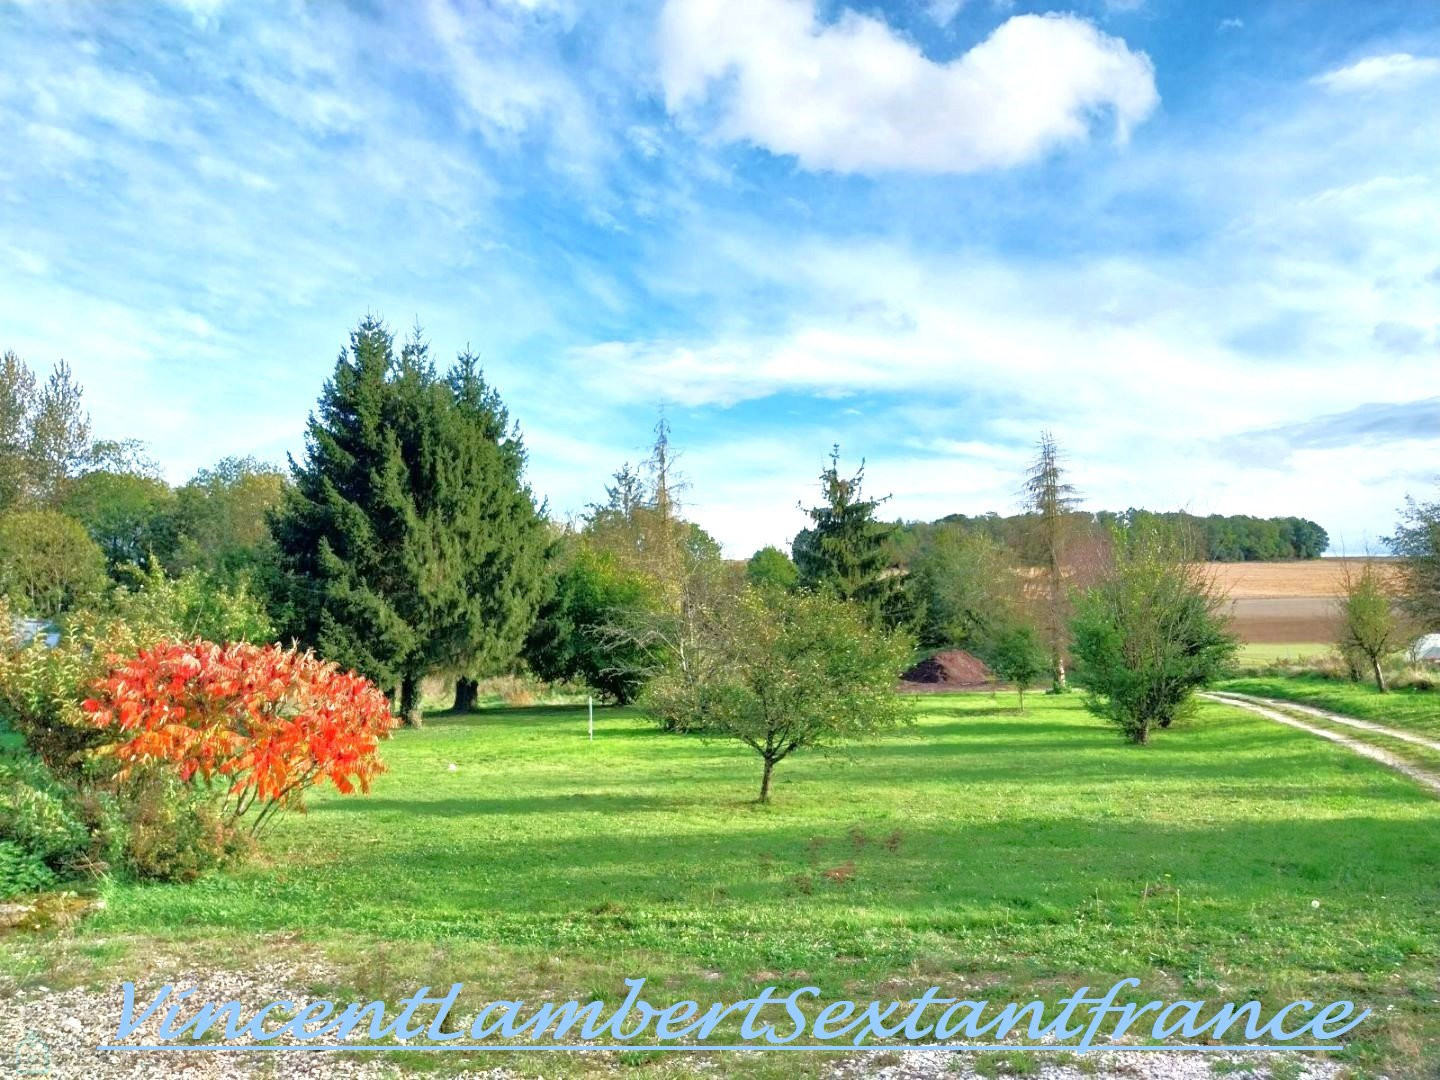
{"type": "Point", "coordinates": [494, 534]}
{"type": "Point", "coordinates": [409, 542]}
{"type": "Point", "coordinates": [846, 552]}
{"type": "Point", "coordinates": [1050, 500]}
{"type": "Point", "coordinates": [344, 527]}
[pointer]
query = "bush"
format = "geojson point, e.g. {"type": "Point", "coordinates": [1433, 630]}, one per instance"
{"type": "Point", "coordinates": [51, 825]}
{"type": "Point", "coordinates": [35, 812]}
{"type": "Point", "coordinates": [174, 832]}
{"type": "Point", "coordinates": [257, 725]}
{"type": "Point", "coordinates": [48, 563]}
{"type": "Point", "coordinates": [22, 871]}
{"type": "Point", "coordinates": [197, 604]}
{"type": "Point", "coordinates": [41, 688]}
{"type": "Point", "coordinates": [1149, 633]}
{"type": "Point", "coordinates": [782, 672]}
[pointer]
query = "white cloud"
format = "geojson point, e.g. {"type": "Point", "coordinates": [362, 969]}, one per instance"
{"type": "Point", "coordinates": [1378, 71]}
{"type": "Point", "coordinates": [854, 96]}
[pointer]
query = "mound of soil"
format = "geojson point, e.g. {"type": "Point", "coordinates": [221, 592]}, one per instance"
{"type": "Point", "coordinates": [949, 670]}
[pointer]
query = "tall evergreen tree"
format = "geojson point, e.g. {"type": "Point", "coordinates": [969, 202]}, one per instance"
{"type": "Point", "coordinates": [1050, 500]}
{"type": "Point", "coordinates": [846, 551]}
{"type": "Point", "coordinates": [344, 528]}
{"type": "Point", "coordinates": [409, 543]}
{"type": "Point", "coordinates": [493, 534]}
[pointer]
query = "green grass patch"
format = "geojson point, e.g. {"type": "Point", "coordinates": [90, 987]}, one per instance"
{"type": "Point", "coordinates": [983, 851]}
{"type": "Point", "coordinates": [1415, 710]}
{"type": "Point", "coordinates": [1254, 654]}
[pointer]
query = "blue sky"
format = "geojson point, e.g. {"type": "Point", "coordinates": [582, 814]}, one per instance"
{"type": "Point", "coordinates": [1200, 242]}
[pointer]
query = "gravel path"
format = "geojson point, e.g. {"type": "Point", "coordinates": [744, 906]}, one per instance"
{"type": "Point", "coordinates": [56, 1032]}
{"type": "Point", "coordinates": [1270, 709]}
{"type": "Point", "coordinates": [1333, 717]}
{"type": "Point", "coordinates": [1109, 1065]}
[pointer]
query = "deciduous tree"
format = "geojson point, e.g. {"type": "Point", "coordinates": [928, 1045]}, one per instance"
{"type": "Point", "coordinates": [48, 563]}
{"type": "Point", "coordinates": [1017, 655]}
{"type": "Point", "coordinates": [1368, 626]}
{"type": "Point", "coordinates": [1150, 632]}
{"type": "Point", "coordinates": [1417, 541]}
{"type": "Point", "coordinates": [131, 516]}
{"type": "Point", "coordinates": [771, 568]}
{"type": "Point", "coordinates": [783, 672]}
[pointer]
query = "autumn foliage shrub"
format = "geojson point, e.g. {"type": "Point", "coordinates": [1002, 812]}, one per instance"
{"type": "Point", "coordinates": [42, 687]}
{"type": "Point", "coordinates": [255, 726]}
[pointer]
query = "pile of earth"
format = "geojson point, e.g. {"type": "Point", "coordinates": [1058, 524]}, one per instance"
{"type": "Point", "coordinates": [952, 669]}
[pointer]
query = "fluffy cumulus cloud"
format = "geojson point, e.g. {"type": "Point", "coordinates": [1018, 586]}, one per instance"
{"type": "Point", "coordinates": [855, 96]}
{"type": "Point", "coordinates": [1378, 72]}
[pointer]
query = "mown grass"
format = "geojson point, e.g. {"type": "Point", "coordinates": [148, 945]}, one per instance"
{"type": "Point", "coordinates": [982, 851]}
{"type": "Point", "coordinates": [1404, 707]}
{"type": "Point", "coordinates": [1253, 654]}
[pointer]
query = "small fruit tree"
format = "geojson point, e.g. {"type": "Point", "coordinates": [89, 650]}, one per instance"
{"type": "Point", "coordinates": [258, 724]}
{"type": "Point", "coordinates": [783, 672]}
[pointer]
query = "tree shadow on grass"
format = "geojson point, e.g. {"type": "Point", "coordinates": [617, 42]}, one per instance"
{"type": "Point", "coordinates": [470, 806]}
{"type": "Point", "coordinates": [1008, 731]}
{"type": "Point", "coordinates": [941, 877]}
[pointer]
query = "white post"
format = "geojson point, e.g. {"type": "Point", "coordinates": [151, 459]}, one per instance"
{"type": "Point", "coordinates": [591, 702]}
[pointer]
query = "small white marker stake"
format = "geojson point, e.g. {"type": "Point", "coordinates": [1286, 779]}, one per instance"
{"type": "Point", "coordinates": [591, 702]}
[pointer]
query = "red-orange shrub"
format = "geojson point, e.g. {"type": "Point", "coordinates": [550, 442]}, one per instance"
{"type": "Point", "coordinates": [263, 723]}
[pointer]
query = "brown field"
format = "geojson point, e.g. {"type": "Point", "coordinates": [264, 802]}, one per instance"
{"type": "Point", "coordinates": [1285, 602]}
{"type": "Point", "coordinates": [1269, 580]}
{"type": "Point", "coordinates": [1284, 620]}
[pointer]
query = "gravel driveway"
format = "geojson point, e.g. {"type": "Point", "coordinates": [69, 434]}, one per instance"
{"type": "Point", "coordinates": [56, 1033]}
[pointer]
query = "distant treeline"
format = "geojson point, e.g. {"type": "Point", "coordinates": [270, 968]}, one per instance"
{"type": "Point", "coordinates": [1218, 537]}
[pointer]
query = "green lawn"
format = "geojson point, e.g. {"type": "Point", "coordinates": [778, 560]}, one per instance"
{"type": "Point", "coordinates": [1417, 710]}
{"type": "Point", "coordinates": [1253, 653]}
{"type": "Point", "coordinates": [1015, 854]}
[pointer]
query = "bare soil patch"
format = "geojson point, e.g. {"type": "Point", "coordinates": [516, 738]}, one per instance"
{"type": "Point", "coordinates": [1297, 578]}
{"type": "Point", "coordinates": [951, 669]}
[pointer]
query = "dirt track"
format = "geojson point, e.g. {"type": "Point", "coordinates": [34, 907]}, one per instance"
{"type": "Point", "coordinates": [1270, 709]}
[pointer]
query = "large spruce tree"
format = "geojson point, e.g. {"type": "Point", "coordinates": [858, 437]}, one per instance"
{"type": "Point", "coordinates": [495, 535]}
{"type": "Point", "coordinates": [408, 541]}
{"type": "Point", "coordinates": [846, 551]}
{"type": "Point", "coordinates": [343, 527]}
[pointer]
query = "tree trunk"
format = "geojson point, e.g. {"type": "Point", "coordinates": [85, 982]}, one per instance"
{"type": "Point", "coordinates": [467, 691]}
{"type": "Point", "coordinates": [1020, 689]}
{"type": "Point", "coordinates": [1379, 675]}
{"type": "Point", "coordinates": [1059, 686]}
{"type": "Point", "coordinates": [411, 715]}
{"type": "Point", "coordinates": [765, 780]}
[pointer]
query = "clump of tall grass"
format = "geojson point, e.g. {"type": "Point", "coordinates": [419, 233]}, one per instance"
{"type": "Point", "coordinates": [1401, 670]}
